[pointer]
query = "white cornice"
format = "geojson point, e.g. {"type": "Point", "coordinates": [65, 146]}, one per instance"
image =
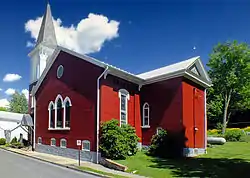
{"type": "Point", "coordinates": [121, 73]}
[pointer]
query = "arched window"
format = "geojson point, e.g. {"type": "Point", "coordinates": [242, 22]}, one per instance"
{"type": "Point", "coordinates": [124, 97]}
{"type": "Point", "coordinates": [67, 108]}
{"type": "Point", "coordinates": [51, 115]}
{"type": "Point", "coordinates": [145, 120]}
{"type": "Point", "coordinates": [53, 142]}
{"type": "Point", "coordinates": [39, 140]}
{"type": "Point", "coordinates": [86, 145]}
{"type": "Point", "coordinates": [63, 143]}
{"type": "Point", "coordinates": [59, 111]}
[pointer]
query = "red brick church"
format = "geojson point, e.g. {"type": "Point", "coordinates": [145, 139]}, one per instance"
{"type": "Point", "coordinates": [71, 94]}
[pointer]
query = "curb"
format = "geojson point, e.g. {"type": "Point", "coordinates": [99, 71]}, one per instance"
{"type": "Point", "coordinates": [57, 164]}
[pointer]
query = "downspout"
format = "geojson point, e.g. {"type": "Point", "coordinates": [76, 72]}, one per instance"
{"type": "Point", "coordinates": [205, 117]}
{"type": "Point", "coordinates": [34, 130]}
{"type": "Point", "coordinates": [98, 113]}
{"type": "Point", "coordinates": [139, 95]}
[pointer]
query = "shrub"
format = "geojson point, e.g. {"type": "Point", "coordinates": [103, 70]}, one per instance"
{"type": "Point", "coordinates": [167, 144]}
{"type": "Point", "coordinates": [2, 141]}
{"type": "Point", "coordinates": [117, 142]}
{"type": "Point", "coordinates": [14, 140]}
{"type": "Point", "coordinates": [16, 145]}
{"type": "Point", "coordinates": [213, 132]}
{"type": "Point", "coordinates": [131, 139]}
{"type": "Point", "coordinates": [234, 135]}
{"type": "Point", "coordinates": [247, 129]}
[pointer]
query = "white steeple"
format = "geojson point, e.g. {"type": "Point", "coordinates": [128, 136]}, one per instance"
{"type": "Point", "coordinates": [45, 46]}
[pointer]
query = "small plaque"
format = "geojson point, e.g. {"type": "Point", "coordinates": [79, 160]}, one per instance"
{"type": "Point", "coordinates": [78, 143]}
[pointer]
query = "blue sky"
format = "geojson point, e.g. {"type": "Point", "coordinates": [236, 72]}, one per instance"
{"type": "Point", "coordinates": [150, 34]}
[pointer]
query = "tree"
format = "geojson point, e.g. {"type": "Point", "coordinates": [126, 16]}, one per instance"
{"type": "Point", "coordinates": [230, 73]}
{"type": "Point", "coordinates": [18, 103]}
{"type": "Point", "coordinates": [3, 109]}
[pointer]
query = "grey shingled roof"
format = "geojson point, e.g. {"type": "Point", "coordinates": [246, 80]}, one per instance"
{"type": "Point", "coordinates": [47, 32]}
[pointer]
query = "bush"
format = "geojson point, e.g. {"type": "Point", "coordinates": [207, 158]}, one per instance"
{"type": "Point", "coordinates": [16, 145]}
{"type": "Point", "coordinates": [247, 129]}
{"type": "Point", "coordinates": [167, 144]}
{"type": "Point", "coordinates": [14, 140]}
{"type": "Point", "coordinates": [117, 142]}
{"type": "Point", "coordinates": [213, 132]}
{"type": "Point", "coordinates": [234, 135]}
{"type": "Point", "coordinates": [2, 141]}
{"type": "Point", "coordinates": [131, 139]}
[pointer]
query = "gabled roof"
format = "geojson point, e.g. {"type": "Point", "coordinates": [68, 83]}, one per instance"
{"type": "Point", "coordinates": [23, 119]}
{"type": "Point", "coordinates": [111, 69]}
{"type": "Point", "coordinates": [175, 70]}
{"type": "Point", "coordinates": [192, 67]}
{"type": "Point", "coordinates": [183, 65]}
{"type": "Point", "coordinates": [47, 32]}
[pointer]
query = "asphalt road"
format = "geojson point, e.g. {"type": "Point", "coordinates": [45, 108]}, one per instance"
{"type": "Point", "coordinates": [16, 166]}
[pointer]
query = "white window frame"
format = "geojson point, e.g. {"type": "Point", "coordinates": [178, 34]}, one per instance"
{"type": "Point", "coordinates": [57, 98]}
{"type": "Point", "coordinates": [63, 139]}
{"type": "Point", "coordinates": [39, 140]}
{"type": "Point", "coordinates": [52, 139]}
{"type": "Point", "coordinates": [144, 108]}
{"type": "Point", "coordinates": [51, 103]}
{"type": "Point", "coordinates": [67, 99]}
{"type": "Point", "coordinates": [123, 92]}
{"type": "Point", "coordinates": [57, 71]}
{"type": "Point", "coordinates": [88, 142]}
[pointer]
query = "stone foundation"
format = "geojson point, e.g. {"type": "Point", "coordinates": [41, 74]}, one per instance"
{"type": "Point", "coordinates": [191, 152]}
{"type": "Point", "coordinates": [67, 152]}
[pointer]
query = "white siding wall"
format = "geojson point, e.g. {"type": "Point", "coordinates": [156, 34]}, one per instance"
{"type": "Point", "coordinates": [11, 125]}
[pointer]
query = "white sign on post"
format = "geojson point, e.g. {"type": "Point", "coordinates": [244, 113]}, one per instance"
{"type": "Point", "coordinates": [78, 143]}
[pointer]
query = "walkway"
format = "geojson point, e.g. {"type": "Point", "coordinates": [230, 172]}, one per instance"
{"type": "Point", "coordinates": [71, 163]}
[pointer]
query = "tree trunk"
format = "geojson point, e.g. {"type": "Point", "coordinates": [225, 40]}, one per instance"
{"type": "Point", "coordinates": [225, 115]}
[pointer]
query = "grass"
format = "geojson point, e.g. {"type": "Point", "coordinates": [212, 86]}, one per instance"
{"type": "Point", "coordinates": [101, 172]}
{"type": "Point", "coordinates": [229, 160]}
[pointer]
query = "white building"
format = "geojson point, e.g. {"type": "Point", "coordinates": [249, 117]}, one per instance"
{"type": "Point", "coordinates": [14, 124]}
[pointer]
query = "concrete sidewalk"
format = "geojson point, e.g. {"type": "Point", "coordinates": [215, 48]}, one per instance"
{"type": "Point", "coordinates": [70, 163]}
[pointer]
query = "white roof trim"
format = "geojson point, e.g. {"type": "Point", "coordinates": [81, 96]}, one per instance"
{"type": "Point", "coordinates": [177, 70]}
{"type": "Point", "coordinates": [112, 69]}
{"type": "Point", "coordinates": [197, 80]}
{"type": "Point", "coordinates": [164, 73]}
{"type": "Point", "coordinates": [169, 69]}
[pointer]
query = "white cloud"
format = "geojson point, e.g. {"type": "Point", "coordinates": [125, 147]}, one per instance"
{"type": "Point", "coordinates": [4, 103]}
{"type": "Point", "coordinates": [30, 44]}
{"type": "Point", "coordinates": [10, 91]}
{"type": "Point", "coordinates": [1, 89]}
{"type": "Point", "coordinates": [87, 36]}
{"type": "Point", "coordinates": [26, 93]}
{"type": "Point", "coordinates": [194, 48]}
{"type": "Point", "coordinates": [11, 77]}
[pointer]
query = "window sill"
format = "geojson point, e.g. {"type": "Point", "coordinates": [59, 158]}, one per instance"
{"type": "Point", "coordinates": [145, 126]}
{"type": "Point", "coordinates": [85, 150]}
{"type": "Point", "coordinates": [66, 128]}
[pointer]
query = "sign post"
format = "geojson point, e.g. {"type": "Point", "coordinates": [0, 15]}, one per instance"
{"type": "Point", "coordinates": [78, 143]}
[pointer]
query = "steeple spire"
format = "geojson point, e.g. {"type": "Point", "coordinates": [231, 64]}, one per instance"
{"type": "Point", "coordinates": [47, 31]}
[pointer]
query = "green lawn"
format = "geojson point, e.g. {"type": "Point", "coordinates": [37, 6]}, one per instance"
{"type": "Point", "coordinates": [229, 160]}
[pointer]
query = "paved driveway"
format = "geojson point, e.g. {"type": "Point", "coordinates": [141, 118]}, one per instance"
{"type": "Point", "coordinates": [16, 166]}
